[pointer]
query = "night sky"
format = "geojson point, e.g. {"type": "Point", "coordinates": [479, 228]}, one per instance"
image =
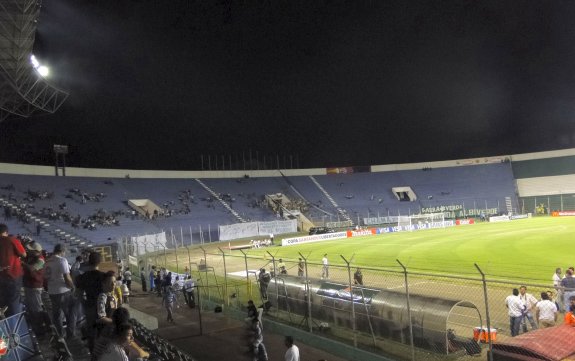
{"type": "Point", "coordinates": [156, 83]}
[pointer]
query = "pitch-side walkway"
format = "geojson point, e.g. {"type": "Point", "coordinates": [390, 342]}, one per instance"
{"type": "Point", "coordinates": [222, 338]}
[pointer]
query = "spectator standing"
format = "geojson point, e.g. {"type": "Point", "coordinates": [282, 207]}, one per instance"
{"type": "Point", "coordinates": [300, 268]}
{"type": "Point", "coordinates": [125, 292]}
{"type": "Point", "coordinates": [33, 281]}
{"type": "Point", "coordinates": [282, 267]}
{"type": "Point", "coordinates": [264, 279]}
{"type": "Point", "coordinates": [178, 285]}
{"type": "Point", "coordinates": [189, 292]}
{"type": "Point", "coordinates": [60, 287]}
{"type": "Point", "coordinates": [128, 278]}
{"type": "Point", "coordinates": [292, 352]}
{"type": "Point", "coordinates": [119, 289]}
{"type": "Point", "coordinates": [167, 282]}
{"type": "Point", "coordinates": [10, 271]}
{"type": "Point", "coordinates": [568, 288]}
{"type": "Point", "coordinates": [258, 347]}
{"type": "Point", "coordinates": [170, 301]}
{"type": "Point", "coordinates": [515, 309]}
{"type": "Point", "coordinates": [358, 277]}
{"type": "Point", "coordinates": [143, 280]}
{"type": "Point", "coordinates": [158, 283]}
{"type": "Point", "coordinates": [152, 279]}
{"type": "Point", "coordinates": [325, 267]}
{"type": "Point", "coordinates": [546, 311]}
{"type": "Point", "coordinates": [557, 285]}
{"type": "Point", "coordinates": [75, 269]}
{"type": "Point", "coordinates": [252, 312]}
{"type": "Point", "coordinates": [89, 285]}
{"type": "Point", "coordinates": [530, 303]}
{"type": "Point", "coordinates": [107, 302]}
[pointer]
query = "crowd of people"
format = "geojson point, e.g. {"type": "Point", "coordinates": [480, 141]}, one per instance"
{"type": "Point", "coordinates": [259, 243]}
{"type": "Point", "coordinates": [525, 310]}
{"type": "Point", "coordinates": [84, 301]}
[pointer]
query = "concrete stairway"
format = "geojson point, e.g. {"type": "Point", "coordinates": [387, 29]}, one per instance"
{"type": "Point", "coordinates": [341, 211]}
{"type": "Point", "coordinates": [223, 203]}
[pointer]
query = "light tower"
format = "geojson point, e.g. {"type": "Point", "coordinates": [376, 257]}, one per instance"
{"type": "Point", "coordinates": [23, 90]}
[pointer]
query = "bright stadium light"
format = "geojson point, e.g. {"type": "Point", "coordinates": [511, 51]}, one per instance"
{"type": "Point", "coordinates": [43, 70]}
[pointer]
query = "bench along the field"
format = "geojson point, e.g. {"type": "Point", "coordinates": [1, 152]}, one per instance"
{"type": "Point", "coordinates": [239, 246]}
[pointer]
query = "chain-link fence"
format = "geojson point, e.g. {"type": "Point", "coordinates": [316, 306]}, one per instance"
{"type": "Point", "coordinates": [393, 312]}
{"type": "Point", "coordinates": [545, 205]}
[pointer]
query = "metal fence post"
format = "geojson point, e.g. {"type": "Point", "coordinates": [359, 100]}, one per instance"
{"type": "Point", "coordinates": [205, 270]}
{"type": "Point", "coordinates": [408, 311]}
{"type": "Point", "coordinates": [189, 260]}
{"type": "Point", "coordinates": [351, 298]}
{"type": "Point", "coordinates": [275, 281]}
{"type": "Point", "coordinates": [165, 257]}
{"type": "Point", "coordinates": [227, 300]}
{"type": "Point", "coordinates": [248, 284]}
{"type": "Point", "coordinates": [487, 317]}
{"type": "Point", "coordinates": [176, 252]}
{"type": "Point", "coordinates": [308, 294]}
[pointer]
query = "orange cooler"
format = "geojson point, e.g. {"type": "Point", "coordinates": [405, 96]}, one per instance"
{"type": "Point", "coordinates": [480, 334]}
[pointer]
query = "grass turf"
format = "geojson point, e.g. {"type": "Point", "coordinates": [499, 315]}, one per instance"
{"type": "Point", "coordinates": [527, 249]}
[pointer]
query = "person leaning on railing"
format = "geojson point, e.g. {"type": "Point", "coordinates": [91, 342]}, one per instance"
{"type": "Point", "coordinates": [568, 286]}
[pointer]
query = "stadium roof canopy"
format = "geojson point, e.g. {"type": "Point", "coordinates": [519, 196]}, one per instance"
{"type": "Point", "coordinates": [23, 91]}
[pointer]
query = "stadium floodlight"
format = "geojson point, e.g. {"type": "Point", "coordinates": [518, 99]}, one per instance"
{"type": "Point", "coordinates": [43, 70]}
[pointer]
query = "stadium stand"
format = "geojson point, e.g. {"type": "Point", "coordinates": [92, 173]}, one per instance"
{"type": "Point", "coordinates": [97, 209]}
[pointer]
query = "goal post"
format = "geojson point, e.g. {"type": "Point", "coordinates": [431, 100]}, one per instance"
{"type": "Point", "coordinates": [422, 221]}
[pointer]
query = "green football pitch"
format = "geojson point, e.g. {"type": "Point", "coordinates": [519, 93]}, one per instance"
{"type": "Point", "coordinates": [528, 249]}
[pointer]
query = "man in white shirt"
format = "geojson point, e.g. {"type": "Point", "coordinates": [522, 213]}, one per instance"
{"type": "Point", "coordinates": [128, 278]}
{"type": "Point", "coordinates": [60, 288]}
{"type": "Point", "coordinates": [530, 303]}
{"type": "Point", "coordinates": [515, 308]}
{"type": "Point", "coordinates": [325, 267]}
{"type": "Point", "coordinates": [292, 352]}
{"type": "Point", "coordinates": [189, 291]}
{"type": "Point", "coordinates": [557, 277]}
{"type": "Point", "coordinates": [546, 311]}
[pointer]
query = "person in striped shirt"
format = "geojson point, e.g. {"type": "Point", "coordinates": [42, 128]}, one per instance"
{"type": "Point", "coordinates": [170, 301]}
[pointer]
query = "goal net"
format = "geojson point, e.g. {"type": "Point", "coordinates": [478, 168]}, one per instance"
{"type": "Point", "coordinates": [422, 221]}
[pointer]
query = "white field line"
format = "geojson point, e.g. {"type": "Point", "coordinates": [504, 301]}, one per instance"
{"type": "Point", "coordinates": [410, 284]}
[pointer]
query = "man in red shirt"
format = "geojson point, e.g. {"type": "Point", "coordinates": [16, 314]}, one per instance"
{"type": "Point", "coordinates": [10, 271]}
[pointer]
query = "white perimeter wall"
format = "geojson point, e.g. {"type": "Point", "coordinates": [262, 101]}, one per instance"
{"type": "Point", "coordinates": [544, 186]}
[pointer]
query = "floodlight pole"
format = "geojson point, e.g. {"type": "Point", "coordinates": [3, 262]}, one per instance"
{"type": "Point", "coordinates": [351, 297]}
{"type": "Point", "coordinates": [487, 318]}
{"type": "Point", "coordinates": [225, 279]}
{"type": "Point", "coordinates": [408, 311]}
{"type": "Point", "coordinates": [308, 292]}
